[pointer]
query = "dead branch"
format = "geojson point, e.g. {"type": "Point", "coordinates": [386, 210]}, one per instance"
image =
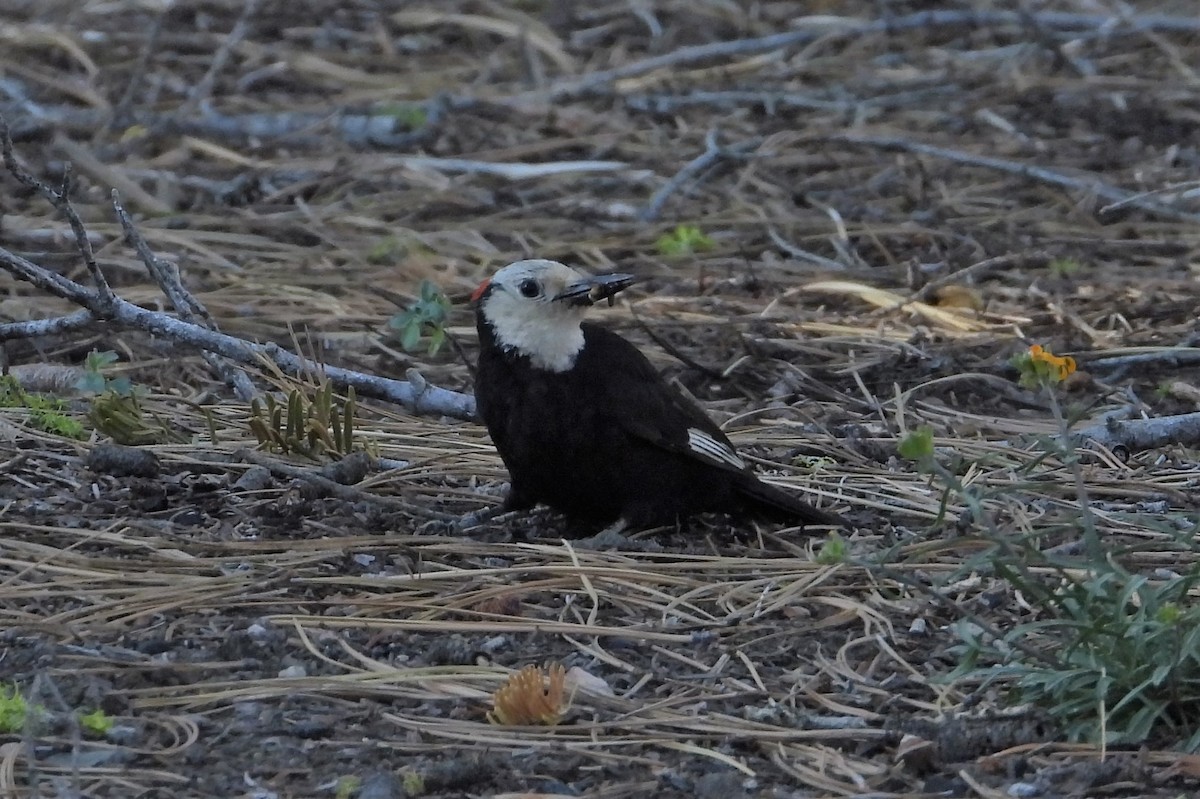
{"type": "Point", "coordinates": [713, 154]}
{"type": "Point", "coordinates": [101, 304]}
{"type": "Point", "coordinates": [1049, 24]}
{"type": "Point", "coordinates": [1136, 435]}
{"type": "Point", "coordinates": [61, 202]}
{"type": "Point", "coordinates": [1185, 354]}
{"type": "Point", "coordinates": [120, 112]}
{"type": "Point", "coordinates": [772, 102]}
{"type": "Point", "coordinates": [792, 251]}
{"type": "Point", "coordinates": [190, 309]}
{"type": "Point", "coordinates": [300, 129]}
{"type": "Point", "coordinates": [319, 481]}
{"type": "Point", "coordinates": [204, 86]}
{"type": "Point", "coordinates": [1083, 183]}
{"type": "Point", "coordinates": [979, 269]}
{"type": "Point", "coordinates": [40, 328]}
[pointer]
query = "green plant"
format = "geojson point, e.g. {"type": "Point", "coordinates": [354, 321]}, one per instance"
{"type": "Point", "coordinates": [1064, 267]}
{"type": "Point", "coordinates": [833, 551]}
{"type": "Point", "coordinates": [387, 250]}
{"type": "Point", "coordinates": [14, 710]}
{"type": "Point", "coordinates": [411, 115]}
{"type": "Point", "coordinates": [683, 240]}
{"type": "Point", "coordinates": [122, 418]}
{"type": "Point", "coordinates": [48, 414]}
{"type": "Point", "coordinates": [413, 782]}
{"type": "Point", "coordinates": [310, 424]}
{"type": "Point", "coordinates": [347, 786]}
{"type": "Point", "coordinates": [94, 381]}
{"type": "Point", "coordinates": [1125, 649]}
{"type": "Point", "coordinates": [97, 722]}
{"type": "Point", "coordinates": [1108, 655]}
{"type": "Point", "coordinates": [425, 317]}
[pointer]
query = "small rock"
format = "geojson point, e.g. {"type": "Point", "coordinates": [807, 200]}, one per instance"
{"type": "Point", "coordinates": [350, 470]}
{"type": "Point", "coordinates": [256, 478]}
{"type": "Point", "coordinates": [381, 785]}
{"type": "Point", "coordinates": [293, 671]}
{"type": "Point", "coordinates": [719, 785]}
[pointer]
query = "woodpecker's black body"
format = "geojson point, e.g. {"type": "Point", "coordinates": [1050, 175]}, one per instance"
{"type": "Point", "coordinates": [597, 434]}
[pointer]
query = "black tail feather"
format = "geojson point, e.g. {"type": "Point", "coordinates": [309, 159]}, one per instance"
{"type": "Point", "coordinates": [775, 502]}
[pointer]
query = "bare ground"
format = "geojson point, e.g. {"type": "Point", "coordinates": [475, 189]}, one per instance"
{"type": "Point", "coordinates": [260, 639]}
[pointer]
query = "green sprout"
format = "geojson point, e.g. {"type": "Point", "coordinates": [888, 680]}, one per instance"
{"type": "Point", "coordinates": [1064, 267]}
{"type": "Point", "coordinates": [97, 722]}
{"type": "Point", "coordinates": [833, 551]}
{"type": "Point", "coordinates": [386, 251]}
{"type": "Point", "coordinates": [425, 317]}
{"type": "Point", "coordinates": [309, 424]}
{"type": "Point", "coordinates": [684, 240]}
{"type": "Point", "coordinates": [411, 115]}
{"type": "Point", "coordinates": [917, 445]}
{"type": "Point", "coordinates": [413, 782]}
{"type": "Point", "coordinates": [13, 710]}
{"type": "Point", "coordinates": [347, 786]}
{"type": "Point", "coordinates": [48, 414]}
{"type": "Point", "coordinates": [94, 380]}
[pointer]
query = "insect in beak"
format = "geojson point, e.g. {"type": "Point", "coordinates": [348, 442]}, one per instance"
{"type": "Point", "coordinates": [592, 290]}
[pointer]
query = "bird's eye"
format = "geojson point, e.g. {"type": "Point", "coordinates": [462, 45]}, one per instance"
{"type": "Point", "coordinates": [529, 288]}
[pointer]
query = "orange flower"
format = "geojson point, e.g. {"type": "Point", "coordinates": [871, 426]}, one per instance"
{"type": "Point", "coordinates": [1060, 366]}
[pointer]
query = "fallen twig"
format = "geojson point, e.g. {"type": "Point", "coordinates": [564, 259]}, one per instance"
{"type": "Point", "coordinates": [508, 171]}
{"type": "Point", "coordinates": [61, 201]}
{"type": "Point", "coordinates": [1185, 354]}
{"type": "Point", "coordinates": [976, 270]}
{"type": "Point", "coordinates": [1136, 435]}
{"type": "Point", "coordinates": [100, 304]}
{"type": "Point", "coordinates": [772, 101]}
{"type": "Point", "coordinates": [319, 480]}
{"type": "Point", "coordinates": [811, 28]}
{"type": "Point", "coordinates": [1089, 183]}
{"type": "Point", "coordinates": [190, 309]}
{"type": "Point", "coordinates": [120, 112]}
{"type": "Point", "coordinates": [300, 129]}
{"type": "Point", "coordinates": [712, 155]}
{"type": "Point", "coordinates": [204, 86]}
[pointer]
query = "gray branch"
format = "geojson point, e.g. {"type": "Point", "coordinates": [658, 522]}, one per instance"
{"type": "Point", "coordinates": [1136, 435]}
{"type": "Point", "coordinates": [1040, 174]}
{"type": "Point", "coordinates": [1056, 24]}
{"type": "Point", "coordinates": [195, 329]}
{"type": "Point", "coordinates": [713, 154]}
{"type": "Point", "coordinates": [428, 400]}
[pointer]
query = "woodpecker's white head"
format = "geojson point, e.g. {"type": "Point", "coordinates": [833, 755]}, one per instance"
{"type": "Point", "coordinates": [534, 308]}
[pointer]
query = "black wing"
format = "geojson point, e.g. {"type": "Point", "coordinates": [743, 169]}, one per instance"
{"type": "Point", "coordinates": [650, 409]}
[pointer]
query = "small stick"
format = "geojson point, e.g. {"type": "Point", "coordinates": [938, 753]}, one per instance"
{"type": "Point", "coordinates": [712, 155]}
{"type": "Point", "coordinates": [186, 305]}
{"type": "Point", "coordinates": [202, 89]}
{"type": "Point", "coordinates": [61, 200]}
{"type": "Point", "coordinates": [1037, 173]}
{"type": "Point", "coordinates": [975, 270]}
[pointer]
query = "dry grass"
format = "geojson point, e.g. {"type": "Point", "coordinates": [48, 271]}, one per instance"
{"type": "Point", "coordinates": [295, 639]}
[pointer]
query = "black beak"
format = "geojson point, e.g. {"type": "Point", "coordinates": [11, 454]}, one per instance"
{"type": "Point", "coordinates": [592, 290]}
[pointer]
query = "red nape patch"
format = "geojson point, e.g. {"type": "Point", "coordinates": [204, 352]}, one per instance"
{"type": "Point", "coordinates": [479, 292]}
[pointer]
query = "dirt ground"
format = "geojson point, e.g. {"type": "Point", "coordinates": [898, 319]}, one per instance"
{"type": "Point", "coordinates": [891, 200]}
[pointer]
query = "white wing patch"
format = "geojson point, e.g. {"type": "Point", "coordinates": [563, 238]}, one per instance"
{"type": "Point", "coordinates": [703, 444]}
